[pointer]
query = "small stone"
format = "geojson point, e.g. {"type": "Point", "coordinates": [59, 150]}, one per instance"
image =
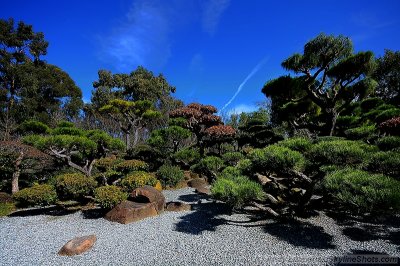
{"type": "Point", "coordinates": [78, 245]}
{"type": "Point", "coordinates": [197, 182]}
{"type": "Point", "coordinates": [176, 206]}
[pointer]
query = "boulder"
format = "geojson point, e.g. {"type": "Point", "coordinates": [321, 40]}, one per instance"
{"type": "Point", "coordinates": [203, 190]}
{"type": "Point", "coordinates": [190, 175]}
{"type": "Point", "coordinates": [129, 211]}
{"type": "Point", "coordinates": [175, 206]}
{"type": "Point", "coordinates": [197, 182]}
{"type": "Point", "coordinates": [149, 194]}
{"type": "Point", "coordinates": [78, 245]}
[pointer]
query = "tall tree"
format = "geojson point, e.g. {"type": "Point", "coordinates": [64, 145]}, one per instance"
{"type": "Point", "coordinates": [330, 74]}
{"type": "Point", "coordinates": [29, 87]}
{"type": "Point", "coordinates": [19, 45]}
{"type": "Point", "coordinates": [387, 75]}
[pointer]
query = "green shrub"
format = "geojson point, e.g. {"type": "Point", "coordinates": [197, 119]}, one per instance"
{"type": "Point", "coordinates": [245, 166]}
{"type": "Point", "coordinates": [347, 121]}
{"type": "Point", "coordinates": [109, 196]}
{"type": "Point", "coordinates": [296, 144]}
{"type": "Point", "coordinates": [138, 179]}
{"type": "Point", "coordinates": [107, 163]}
{"type": "Point", "coordinates": [33, 127]}
{"type": "Point", "coordinates": [74, 185]}
{"type": "Point", "coordinates": [361, 191]}
{"type": "Point", "coordinates": [389, 143]}
{"type": "Point", "coordinates": [277, 159]}
{"type": "Point", "coordinates": [387, 114]}
{"type": "Point", "coordinates": [230, 172]}
{"type": "Point", "coordinates": [329, 138]}
{"type": "Point", "coordinates": [41, 195]}
{"type": "Point", "coordinates": [170, 175]}
{"type": "Point", "coordinates": [232, 158]}
{"type": "Point", "coordinates": [6, 208]}
{"type": "Point", "coordinates": [188, 156]}
{"type": "Point", "coordinates": [361, 133]}
{"type": "Point", "coordinates": [339, 152]}
{"type": "Point", "coordinates": [237, 190]}
{"type": "Point", "coordinates": [387, 163]}
{"type": "Point", "coordinates": [132, 165]}
{"type": "Point", "coordinates": [371, 103]}
{"type": "Point", "coordinates": [209, 164]}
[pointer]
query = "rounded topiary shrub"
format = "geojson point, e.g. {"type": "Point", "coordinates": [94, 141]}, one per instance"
{"type": "Point", "coordinates": [170, 175]}
{"type": "Point", "coordinates": [361, 191]}
{"type": "Point", "coordinates": [232, 158]}
{"type": "Point", "coordinates": [109, 196]}
{"type": "Point", "coordinates": [38, 195]}
{"type": "Point", "coordinates": [209, 164]}
{"type": "Point", "coordinates": [361, 133]}
{"type": "Point", "coordinates": [132, 165]}
{"type": "Point", "coordinates": [339, 152]}
{"type": "Point", "coordinates": [74, 185]}
{"type": "Point", "coordinates": [296, 144]}
{"type": "Point", "coordinates": [237, 190]}
{"type": "Point", "coordinates": [387, 163]}
{"type": "Point", "coordinates": [245, 166]}
{"type": "Point", "coordinates": [277, 159]}
{"type": "Point", "coordinates": [389, 143]}
{"type": "Point", "coordinates": [187, 156]}
{"type": "Point", "coordinates": [138, 179]}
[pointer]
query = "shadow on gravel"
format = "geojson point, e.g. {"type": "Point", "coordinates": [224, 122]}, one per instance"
{"type": "Point", "coordinates": [52, 210]}
{"type": "Point", "coordinates": [204, 217]}
{"type": "Point", "coordinates": [357, 255]}
{"type": "Point", "coordinates": [193, 197]}
{"type": "Point", "coordinates": [369, 228]}
{"type": "Point", "coordinates": [301, 234]}
{"type": "Point", "coordinates": [95, 213]}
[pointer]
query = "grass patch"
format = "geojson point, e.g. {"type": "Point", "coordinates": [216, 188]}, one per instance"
{"type": "Point", "coordinates": [6, 208]}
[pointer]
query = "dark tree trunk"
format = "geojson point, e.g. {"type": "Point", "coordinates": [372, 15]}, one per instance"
{"type": "Point", "coordinates": [17, 173]}
{"type": "Point", "coordinates": [331, 124]}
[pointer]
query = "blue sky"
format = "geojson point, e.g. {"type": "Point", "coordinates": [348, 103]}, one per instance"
{"type": "Point", "coordinates": [208, 49]}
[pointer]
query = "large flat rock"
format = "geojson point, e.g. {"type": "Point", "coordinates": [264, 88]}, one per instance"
{"type": "Point", "coordinates": [129, 211]}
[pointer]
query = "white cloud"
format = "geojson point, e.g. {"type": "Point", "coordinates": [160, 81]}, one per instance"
{"type": "Point", "coordinates": [212, 11]}
{"type": "Point", "coordinates": [142, 38]}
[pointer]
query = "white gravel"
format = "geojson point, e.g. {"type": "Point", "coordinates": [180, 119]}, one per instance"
{"type": "Point", "coordinates": [203, 236]}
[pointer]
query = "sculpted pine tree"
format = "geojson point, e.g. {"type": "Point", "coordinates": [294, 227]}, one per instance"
{"type": "Point", "coordinates": [76, 147]}
{"type": "Point", "coordinates": [19, 158]}
{"type": "Point", "coordinates": [130, 116]}
{"type": "Point", "coordinates": [199, 118]}
{"type": "Point", "coordinates": [330, 75]}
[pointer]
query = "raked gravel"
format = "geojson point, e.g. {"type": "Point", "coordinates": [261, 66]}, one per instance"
{"type": "Point", "coordinates": [203, 236]}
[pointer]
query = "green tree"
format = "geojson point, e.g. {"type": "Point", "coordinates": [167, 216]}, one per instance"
{"type": "Point", "coordinates": [31, 88]}
{"type": "Point", "coordinates": [168, 139]}
{"type": "Point", "coordinates": [76, 147]}
{"type": "Point", "coordinates": [17, 158]}
{"type": "Point", "coordinates": [387, 75]}
{"type": "Point", "coordinates": [130, 116]}
{"type": "Point", "coordinates": [330, 75]}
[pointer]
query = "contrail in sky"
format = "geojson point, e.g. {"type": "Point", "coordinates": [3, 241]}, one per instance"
{"type": "Point", "coordinates": [252, 73]}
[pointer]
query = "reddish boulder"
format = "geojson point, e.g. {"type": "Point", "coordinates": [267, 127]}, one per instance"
{"type": "Point", "coordinates": [78, 245]}
{"type": "Point", "coordinates": [151, 195]}
{"type": "Point", "coordinates": [175, 206]}
{"type": "Point", "coordinates": [128, 212]}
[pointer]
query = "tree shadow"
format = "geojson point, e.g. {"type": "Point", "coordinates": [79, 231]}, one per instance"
{"type": "Point", "coordinates": [359, 228]}
{"type": "Point", "coordinates": [94, 213]}
{"type": "Point", "coordinates": [51, 210]}
{"type": "Point", "coordinates": [357, 255]}
{"type": "Point", "coordinates": [301, 234]}
{"type": "Point", "coordinates": [193, 197]}
{"type": "Point", "coordinates": [204, 217]}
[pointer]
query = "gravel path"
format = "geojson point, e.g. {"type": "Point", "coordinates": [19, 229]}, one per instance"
{"type": "Point", "coordinates": [205, 236]}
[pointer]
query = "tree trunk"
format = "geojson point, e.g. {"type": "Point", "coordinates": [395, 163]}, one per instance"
{"type": "Point", "coordinates": [332, 121]}
{"type": "Point", "coordinates": [127, 139]}
{"type": "Point", "coordinates": [16, 174]}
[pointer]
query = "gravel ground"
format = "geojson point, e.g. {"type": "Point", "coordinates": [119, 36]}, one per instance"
{"type": "Point", "coordinates": [207, 235]}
